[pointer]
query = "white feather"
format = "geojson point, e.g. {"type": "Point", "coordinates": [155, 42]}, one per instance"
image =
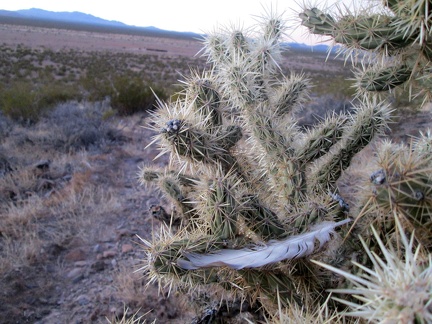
{"type": "Point", "coordinates": [274, 251]}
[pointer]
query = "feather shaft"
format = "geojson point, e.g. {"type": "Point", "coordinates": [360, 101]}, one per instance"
{"type": "Point", "coordinates": [274, 251]}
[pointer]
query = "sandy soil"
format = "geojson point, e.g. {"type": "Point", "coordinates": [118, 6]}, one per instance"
{"type": "Point", "coordinates": [63, 39]}
{"type": "Point", "coordinates": [58, 39]}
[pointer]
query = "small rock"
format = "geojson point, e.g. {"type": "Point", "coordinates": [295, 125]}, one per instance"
{"type": "Point", "coordinates": [97, 248]}
{"type": "Point", "coordinates": [99, 265]}
{"type": "Point", "coordinates": [77, 279]}
{"type": "Point", "coordinates": [76, 254]}
{"type": "Point", "coordinates": [43, 165]}
{"type": "Point", "coordinates": [76, 274]}
{"type": "Point", "coordinates": [126, 248]}
{"type": "Point", "coordinates": [83, 299]}
{"type": "Point", "coordinates": [80, 263]}
{"type": "Point", "coordinates": [43, 300]}
{"type": "Point", "coordinates": [109, 254]}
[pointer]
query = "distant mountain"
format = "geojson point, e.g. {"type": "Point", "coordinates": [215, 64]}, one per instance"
{"type": "Point", "coordinates": [314, 48]}
{"type": "Point", "coordinates": [81, 21]}
{"type": "Point", "coordinates": [8, 13]}
{"type": "Point", "coordinates": [76, 17]}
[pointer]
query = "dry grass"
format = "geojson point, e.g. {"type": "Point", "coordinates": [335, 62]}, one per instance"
{"type": "Point", "coordinates": [39, 218]}
{"type": "Point", "coordinates": [56, 200]}
{"type": "Point", "coordinates": [132, 288]}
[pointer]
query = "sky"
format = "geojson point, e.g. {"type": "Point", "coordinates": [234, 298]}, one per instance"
{"type": "Point", "coordinates": [198, 16]}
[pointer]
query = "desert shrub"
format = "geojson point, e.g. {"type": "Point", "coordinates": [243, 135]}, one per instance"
{"type": "Point", "coordinates": [129, 92]}
{"type": "Point", "coordinates": [52, 94]}
{"type": "Point", "coordinates": [69, 127]}
{"type": "Point", "coordinates": [5, 126]}
{"type": "Point", "coordinates": [97, 87]}
{"type": "Point", "coordinates": [19, 103]}
{"type": "Point", "coordinates": [75, 126]}
{"type": "Point", "coordinates": [27, 103]}
{"type": "Point", "coordinates": [132, 95]}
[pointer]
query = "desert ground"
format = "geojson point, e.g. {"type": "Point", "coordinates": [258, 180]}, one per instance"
{"type": "Point", "coordinates": [60, 39]}
{"type": "Point", "coordinates": [71, 214]}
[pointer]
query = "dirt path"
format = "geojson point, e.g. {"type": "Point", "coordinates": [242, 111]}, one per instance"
{"type": "Point", "coordinates": [90, 278]}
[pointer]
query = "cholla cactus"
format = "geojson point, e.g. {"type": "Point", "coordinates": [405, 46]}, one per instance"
{"type": "Point", "coordinates": [398, 289]}
{"type": "Point", "coordinates": [395, 39]}
{"type": "Point", "coordinates": [255, 193]}
{"type": "Point", "coordinates": [394, 284]}
{"type": "Point", "coordinates": [401, 185]}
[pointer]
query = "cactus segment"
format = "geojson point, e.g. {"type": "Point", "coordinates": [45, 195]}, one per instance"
{"type": "Point", "coordinates": [367, 32]}
{"type": "Point", "coordinates": [206, 101]}
{"type": "Point", "coordinates": [266, 283]}
{"type": "Point", "coordinates": [261, 220]}
{"type": "Point", "coordinates": [199, 146]}
{"type": "Point", "coordinates": [321, 138]}
{"type": "Point", "coordinates": [370, 33]}
{"type": "Point", "coordinates": [370, 120]}
{"type": "Point", "coordinates": [222, 208]}
{"type": "Point", "coordinates": [384, 79]}
{"type": "Point", "coordinates": [394, 43]}
{"type": "Point", "coordinates": [292, 93]}
{"type": "Point", "coordinates": [402, 185]}
{"type": "Point", "coordinates": [317, 21]}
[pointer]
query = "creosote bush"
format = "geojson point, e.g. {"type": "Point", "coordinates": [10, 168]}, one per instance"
{"type": "Point", "coordinates": [130, 95]}
{"type": "Point", "coordinates": [78, 126]}
{"type": "Point", "coordinates": [27, 103]}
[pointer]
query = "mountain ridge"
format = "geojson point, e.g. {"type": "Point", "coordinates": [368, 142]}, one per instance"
{"type": "Point", "coordinates": [72, 16]}
{"type": "Point", "coordinates": [80, 19]}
